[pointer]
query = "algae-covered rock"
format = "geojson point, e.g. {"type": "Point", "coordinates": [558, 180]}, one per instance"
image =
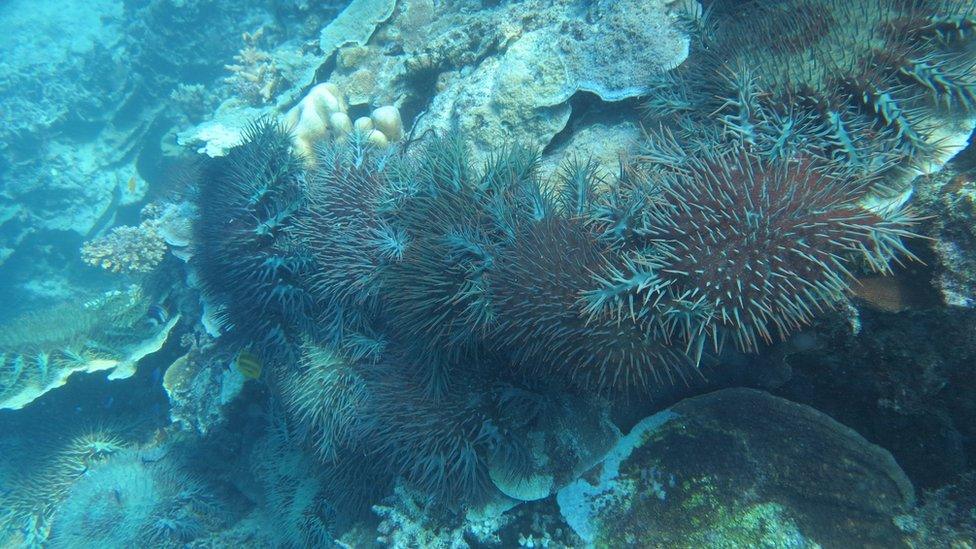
{"type": "Point", "coordinates": [740, 468]}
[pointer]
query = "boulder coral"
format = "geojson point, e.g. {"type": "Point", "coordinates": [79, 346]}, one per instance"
{"type": "Point", "coordinates": [733, 469]}
{"type": "Point", "coordinates": [322, 116]}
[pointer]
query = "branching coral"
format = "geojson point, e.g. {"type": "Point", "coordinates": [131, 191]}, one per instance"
{"type": "Point", "coordinates": [126, 249]}
{"type": "Point", "coordinates": [254, 75]}
{"type": "Point", "coordinates": [407, 522]}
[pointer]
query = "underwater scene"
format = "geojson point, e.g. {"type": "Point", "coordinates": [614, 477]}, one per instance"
{"type": "Point", "coordinates": [488, 273]}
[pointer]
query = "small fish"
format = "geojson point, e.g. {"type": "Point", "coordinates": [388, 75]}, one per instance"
{"type": "Point", "coordinates": [158, 315]}
{"type": "Point", "coordinates": [131, 185]}
{"type": "Point", "coordinates": [248, 364]}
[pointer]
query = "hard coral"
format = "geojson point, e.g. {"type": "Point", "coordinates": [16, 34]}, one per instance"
{"type": "Point", "coordinates": [322, 116]}
{"type": "Point", "coordinates": [254, 75]}
{"type": "Point", "coordinates": [126, 249]}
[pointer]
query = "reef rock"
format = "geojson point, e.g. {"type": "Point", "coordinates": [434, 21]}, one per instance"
{"type": "Point", "coordinates": [740, 468]}
{"type": "Point", "coordinates": [499, 74]}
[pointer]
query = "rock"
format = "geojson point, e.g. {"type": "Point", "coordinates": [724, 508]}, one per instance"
{"type": "Point", "coordinates": [740, 468]}
{"type": "Point", "coordinates": [199, 390]}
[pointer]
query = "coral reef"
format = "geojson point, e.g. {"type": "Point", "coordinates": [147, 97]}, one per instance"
{"type": "Point", "coordinates": [40, 351]}
{"type": "Point", "coordinates": [322, 115]}
{"type": "Point", "coordinates": [432, 263]}
{"type": "Point", "coordinates": [407, 522]}
{"type": "Point", "coordinates": [738, 462]}
{"type": "Point", "coordinates": [498, 74]}
{"type": "Point", "coordinates": [254, 76]}
{"type": "Point", "coordinates": [949, 197]}
{"type": "Point", "coordinates": [126, 249]}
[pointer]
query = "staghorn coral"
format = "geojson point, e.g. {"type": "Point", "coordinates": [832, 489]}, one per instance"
{"type": "Point", "coordinates": [126, 249]}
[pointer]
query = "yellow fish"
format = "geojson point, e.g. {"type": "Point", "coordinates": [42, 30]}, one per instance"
{"type": "Point", "coordinates": [248, 364]}
{"type": "Point", "coordinates": [132, 184]}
